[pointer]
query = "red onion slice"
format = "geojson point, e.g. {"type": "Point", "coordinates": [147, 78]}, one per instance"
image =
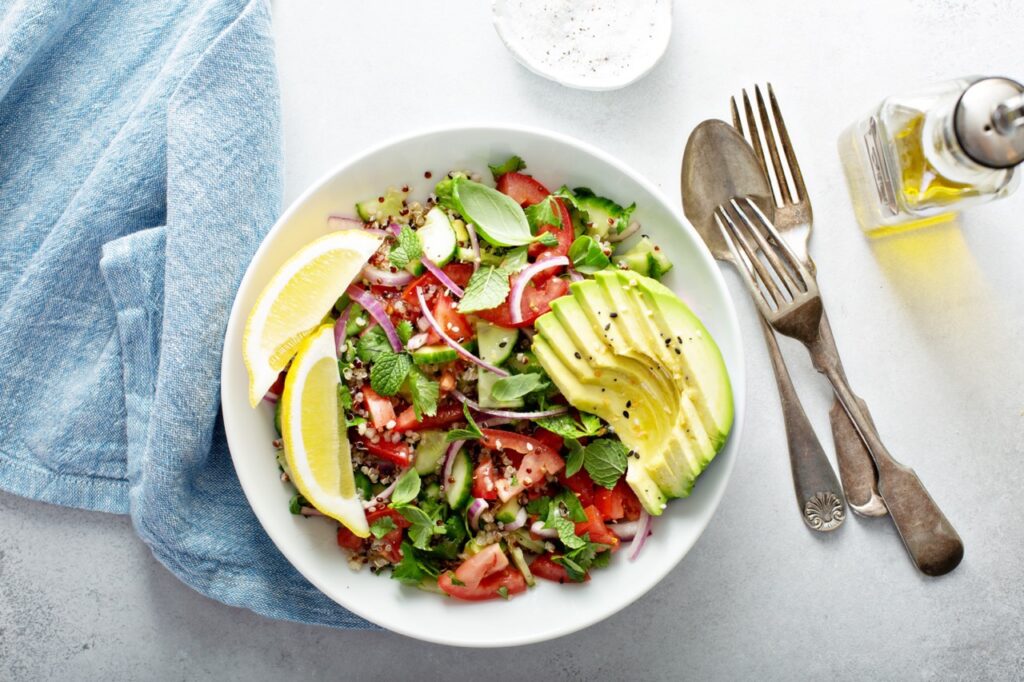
{"type": "Point", "coordinates": [442, 277]}
{"type": "Point", "coordinates": [476, 508]}
{"type": "Point", "coordinates": [449, 461]}
{"type": "Point", "coordinates": [539, 530]}
{"type": "Point", "coordinates": [519, 521]}
{"type": "Point", "coordinates": [271, 398]}
{"type": "Point", "coordinates": [515, 298]}
{"type": "Point", "coordinates": [341, 222]}
{"type": "Point", "coordinates": [508, 414]}
{"type": "Point", "coordinates": [625, 530]}
{"type": "Point", "coordinates": [386, 278]}
{"type": "Point", "coordinates": [384, 495]}
{"type": "Point", "coordinates": [339, 329]}
{"type": "Point", "coordinates": [311, 511]}
{"type": "Point", "coordinates": [452, 343]}
{"type": "Point", "coordinates": [641, 535]}
{"type": "Point", "coordinates": [395, 228]}
{"type": "Point", "coordinates": [376, 310]}
{"type": "Point", "coordinates": [625, 234]}
{"type": "Point", "coordinates": [575, 275]}
{"type": "Point", "coordinates": [475, 244]}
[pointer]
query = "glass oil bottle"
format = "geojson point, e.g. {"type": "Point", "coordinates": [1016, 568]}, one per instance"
{"type": "Point", "coordinates": [919, 158]}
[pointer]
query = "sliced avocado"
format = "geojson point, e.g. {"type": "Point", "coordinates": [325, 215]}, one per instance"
{"type": "Point", "coordinates": [645, 258]}
{"type": "Point", "coordinates": [626, 348]}
{"type": "Point", "coordinates": [384, 209]}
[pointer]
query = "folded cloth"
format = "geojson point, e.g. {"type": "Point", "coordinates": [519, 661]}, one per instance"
{"type": "Point", "coordinates": [139, 168]}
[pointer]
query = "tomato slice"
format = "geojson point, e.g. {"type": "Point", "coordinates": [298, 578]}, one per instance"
{"type": "Point", "coordinates": [536, 302]}
{"type": "Point", "coordinates": [454, 323]}
{"type": "Point", "coordinates": [459, 273]}
{"type": "Point", "coordinates": [552, 440]}
{"type": "Point", "coordinates": [390, 545]}
{"type": "Point", "coordinates": [349, 540]}
{"type": "Point", "coordinates": [631, 506]}
{"type": "Point", "coordinates": [396, 453]}
{"type": "Point", "coordinates": [485, 480]}
{"type": "Point", "coordinates": [538, 460]}
{"type": "Point", "coordinates": [447, 414]}
{"type": "Point", "coordinates": [487, 561]}
{"type": "Point", "coordinates": [609, 503]}
{"type": "Point", "coordinates": [581, 484]}
{"type": "Point", "coordinates": [599, 532]}
{"type": "Point", "coordinates": [511, 579]}
{"type": "Point", "coordinates": [545, 567]}
{"type": "Point", "coordinates": [523, 188]}
{"type": "Point", "coordinates": [380, 408]}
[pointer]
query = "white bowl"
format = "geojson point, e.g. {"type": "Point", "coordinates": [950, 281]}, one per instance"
{"type": "Point", "coordinates": [549, 610]}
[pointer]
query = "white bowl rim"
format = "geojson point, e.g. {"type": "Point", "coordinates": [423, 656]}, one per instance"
{"type": "Point", "coordinates": [737, 374]}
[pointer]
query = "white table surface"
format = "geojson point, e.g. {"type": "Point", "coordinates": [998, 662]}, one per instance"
{"type": "Point", "coordinates": [931, 327]}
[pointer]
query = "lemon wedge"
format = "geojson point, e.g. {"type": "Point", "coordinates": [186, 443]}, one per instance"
{"type": "Point", "coordinates": [315, 440]}
{"type": "Point", "coordinates": [296, 300]}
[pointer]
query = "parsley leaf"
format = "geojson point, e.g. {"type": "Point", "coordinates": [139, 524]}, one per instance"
{"type": "Point", "coordinates": [406, 489]}
{"type": "Point", "coordinates": [389, 371]}
{"type": "Point", "coordinates": [411, 570]}
{"type": "Point", "coordinates": [424, 526]}
{"type": "Point", "coordinates": [471, 432]}
{"type": "Point", "coordinates": [578, 561]}
{"type": "Point", "coordinates": [425, 393]}
{"type": "Point", "coordinates": [547, 239]}
{"type": "Point", "coordinates": [587, 256]}
{"type": "Point", "coordinates": [408, 248]}
{"type": "Point", "coordinates": [512, 164]}
{"type": "Point", "coordinates": [572, 504]}
{"type": "Point", "coordinates": [487, 288]}
{"type": "Point", "coordinates": [517, 385]}
{"type": "Point", "coordinates": [539, 507]}
{"type": "Point", "coordinates": [543, 213]}
{"type": "Point", "coordinates": [503, 591]}
{"type": "Point", "coordinates": [567, 427]}
{"type": "Point", "coordinates": [405, 331]}
{"type": "Point", "coordinates": [382, 526]}
{"type": "Point", "coordinates": [574, 462]}
{"type": "Point", "coordinates": [565, 528]}
{"type": "Point", "coordinates": [605, 460]}
{"type": "Point", "coordinates": [372, 344]}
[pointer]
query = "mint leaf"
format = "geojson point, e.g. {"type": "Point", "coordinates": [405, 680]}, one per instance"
{"type": "Point", "coordinates": [544, 213]}
{"type": "Point", "coordinates": [511, 165]}
{"type": "Point", "coordinates": [406, 489]}
{"type": "Point", "coordinates": [567, 427]}
{"type": "Point", "coordinates": [574, 462]}
{"type": "Point", "coordinates": [408, 248]}
{"type": "Point", "coordinates": [587, 256]}
{"type": "Point", "coordinates": [498, 218]}
{"type": "Point", "coordinates": [486, 289]}
{"type": "Point", "coordinates": [517, 385]}
{"type": "Point", "coordinates": [405, 331]}
{"type": "Point", "coordinates": [373, 343]}
{"type": "Point", "coordinates": [515, 260]}
{"type": "Point", "coordinates": [591, 423]}
{"type": "Point", "coordinates": [547, 239]}
{"type": "Point", "coordinates": [605, 460]}
{"type": "Point", "coordinates": [389, 371]}
{"type": "Point", "coordinates": [382, 526]}
{"type": "Point", "coordinates": [425, 393]}
{"type": "Point", "coordinates": [472, 432]}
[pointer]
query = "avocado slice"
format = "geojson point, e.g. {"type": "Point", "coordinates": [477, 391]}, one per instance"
{"type": "Point", "coordinates": [626, 348]}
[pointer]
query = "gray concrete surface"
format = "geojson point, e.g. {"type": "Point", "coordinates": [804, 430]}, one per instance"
{"type": "Point", "coordinates": [930, 326]}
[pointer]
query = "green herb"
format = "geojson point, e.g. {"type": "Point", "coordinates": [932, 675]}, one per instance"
{"type": "Point", "coordinates": [424, 526]}
{"type": "Point", "coordinates": [567, 427]}
{"type": "Point", "coordinates": [512, 164]}
{"type": "Point", "coordinates": [515, 260]}
{"type": "Point", "coordinates": [605, 460]}
{"type": "Point", "coordinates": [573, 507]}
{"type": "Point", "coordinates": [574, 462]}
{"type": "Point", "coordinates": [498, 218]}
{"type": "Point", "coordinates": [545, 212]}
{"type": "Point", "coordinates": [443, 191]}
{"type": "Point", "coordinates": [363, 485]}
{"type": "Point", "coordinates": [503, 591]}
{"type": "Point", "coordinates": [517, 385]}
{"type": "Point", "coordinates": [372, 344]}
{"type": "Point", "coordinates": [424, 392]}
{"type": "Point", "coordinates": [406, 489]}
{"type": "Point", "coordinates": [565, 528]}
{"type": "Point", "coordinates": [579, 560]}
{"type": "Point", "coordinates": [413, 568]}
{"type": "Point", "coordinates": [539, 507]}
{"type": "Point", "coordinates": [547, 239]}
{"type": "Point", "coordinates": [296, 504]}
{"type": "Point", "coordinates": [408, 248]}
{"type": "Point", "coordinates": [389, 371]}
{"type": "Point", "coordinates": [382, 526]}
{"type": "Point", "coordinates": [405, 331]}
{"type": "Point", "coordinates": [486, 289]}
{"type": "Point", "coordinates": [587, 256]}
{"type": "Point", "coordinates": [344, 398]}
{"type": "Point", "coordinates": [471, 432]}
{"type": "Point", "coordinates": [591, 423]}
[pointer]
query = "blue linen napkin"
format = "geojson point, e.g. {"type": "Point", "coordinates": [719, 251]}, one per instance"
{"type": "Point", "coordinates": [139, 168]}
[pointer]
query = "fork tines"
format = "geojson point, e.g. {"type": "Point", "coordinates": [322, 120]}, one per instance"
{"type": "Point", "coordinates": [785, 190]}
{"type": "Point", "coordinates": [770, 269]}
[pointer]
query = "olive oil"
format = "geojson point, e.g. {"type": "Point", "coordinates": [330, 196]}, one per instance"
{"type": "Point", "coordinates": [917, 159]}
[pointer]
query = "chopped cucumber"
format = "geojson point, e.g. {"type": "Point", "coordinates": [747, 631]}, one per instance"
{"type": "Point", "coordinates": [438, 239]}
{"type": "Point", "coordinates": [461, 233]}
{"type": "Point", "coordinates": [429, 452]}
{"type": "Point", "coordinates": [495, 343]}
{"type": "Point", "coordinates": [457, 488]}
{"type": "Point", "coordinates": [506, 513]}
{"type": "Point", "coordinates": [429, 584]}
{"type": "Point", "coordinates": [432, 491]}
{"type": "Point", "coordinates": [523, 538]}
{"type": "Point", "coordinates": [645, 259]}
{"type": "Point", "coordinates": [384, 209]}
{"type": "Point", "coordinates": [520, 561]}
{"type": "Point", "coordinates": [466, 254]}
{"type": "Point", "coordinates": [434, 355]}
{"type": "Point", "coordinates": [604, 216]}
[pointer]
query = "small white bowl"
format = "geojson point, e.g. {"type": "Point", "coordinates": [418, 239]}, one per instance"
{"type": "Point", "coordinates": [549, 610]}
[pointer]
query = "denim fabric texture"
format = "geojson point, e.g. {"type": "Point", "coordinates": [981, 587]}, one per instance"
{"type": "Point", "coordinates": [140, 165]}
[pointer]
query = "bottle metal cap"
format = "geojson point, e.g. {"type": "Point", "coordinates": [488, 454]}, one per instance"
{"type": "Point", "coordinates": [989, 122]}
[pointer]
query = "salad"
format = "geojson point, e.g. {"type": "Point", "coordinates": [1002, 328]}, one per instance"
{"type": "Point", "coordinates": [515, 396]}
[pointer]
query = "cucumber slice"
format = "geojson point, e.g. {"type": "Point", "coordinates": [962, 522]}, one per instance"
{"type": "Point", "coordinates": [465, 254]}
{"type": "Point", "coordinates": [438, 238]}
{"type": "Point", "coordinates": [520, 561]}
{"type": "Point", "coordinates": [434, 355]}
{"type": "Point", "coordinates": [383, 209]}
{"type": "Point", "coordinates": [506, 513]}
{"type": "Point", "coordinates": [429, 452]}
{"type": "Point", "coordinates": [523, 537]}
{"type": "Point", "coordinates": [645, 259]}
{"type": "Point", "coordinates": [495, 343]}
{"type": "Point", "coordinates": [457, 489]}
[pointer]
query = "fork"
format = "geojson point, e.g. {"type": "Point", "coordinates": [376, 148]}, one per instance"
{"type": "Point", "coordinates": [786, 294]}
{"type": "Point", "coordinates": [794, 219]}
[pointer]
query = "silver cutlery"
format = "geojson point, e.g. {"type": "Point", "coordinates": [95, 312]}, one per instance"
{"type": "Point", "coordinates": [786, 294]}
{"type": "Point", "coordinates": [718, 165]}
{"type": "Point", "coordinates": [793, 219]}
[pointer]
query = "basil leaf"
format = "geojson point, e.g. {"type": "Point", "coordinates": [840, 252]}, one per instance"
{"type": "Point", "coordinates": [382, 526]}
{"type": "Point", "coordinates": [574, 462]}
{"type": "Point", "coordinates": [605, 460]}
{"type": "Point", "coordinates": [406, 489]}
{"type": "Point", "coordinates": [587, 256]}
{"type": "Point", "coordinates": [408, 248]}
{"type": "Point", "coordinates": [517, 385]}
{"type": "Point", "coordinates": [372, 344]}
{"type": "Point", "coordinates": [511, 165]}
{"type": "Point", "coordinates": [389, 371]}
{"type": "Point", "coordinates": [425, 393]}
{"type": "Point", "coordinates": [486, 289]}
{"type": "Point", "coordinates": [498, 218]}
